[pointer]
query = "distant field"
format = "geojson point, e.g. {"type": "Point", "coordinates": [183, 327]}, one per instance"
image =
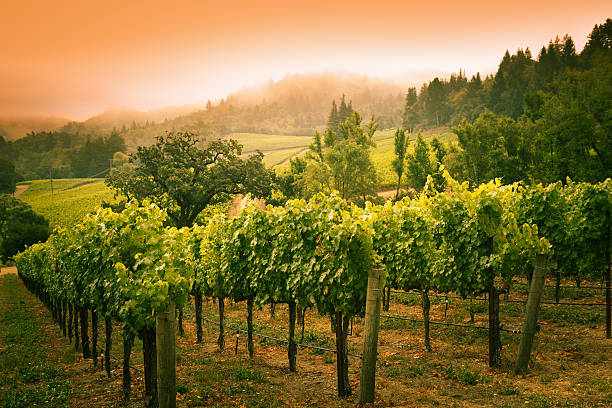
{"type": "Point", "coordinates": [70, 201]}
{"type": "Point", "coordinates": [258, 141]}
{"type": "Point", "coordinates": [383, 153]}
{"type": "Point", "coordinates": [275, 158]}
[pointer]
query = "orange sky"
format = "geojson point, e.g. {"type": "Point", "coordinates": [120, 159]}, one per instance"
{"type": "Point", "coordinates": [78, 58]}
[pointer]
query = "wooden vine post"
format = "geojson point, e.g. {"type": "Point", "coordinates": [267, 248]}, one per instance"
{"type": "Point", "coordinates": [166, 356]}
{"type": "Point", "coordinates": [608, 301]}
{"type": "Point", "coordinates": [292, 349]}
{"type": "Point", "coordinates": [531, 314]}
{"type": "Point", "coordinates": [370, 340]}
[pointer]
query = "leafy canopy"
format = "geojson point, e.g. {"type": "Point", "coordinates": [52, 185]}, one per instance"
{"type": "Point", "coordinates": [183, 177]}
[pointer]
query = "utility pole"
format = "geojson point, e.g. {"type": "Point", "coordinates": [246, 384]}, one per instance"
{"type": "Point", "coordinates": [51, 179]}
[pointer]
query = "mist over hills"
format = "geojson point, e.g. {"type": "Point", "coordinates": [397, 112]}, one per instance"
{"type": "Point", "coordinates": [13, 128]}
{"type": "Point", "coordinates": [120, 120]}
{"type": "Point", "coordinates": [295, 105]}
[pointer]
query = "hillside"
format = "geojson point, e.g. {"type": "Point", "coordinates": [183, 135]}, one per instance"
{"type": "Point", "coordinates": [64, 202]}
{"type": "Point", "coordinates": [121, 120]}
{"type": "Point", "coordinates": [296, 105]}
{"type": "Point", "coordinates": [18, 127]}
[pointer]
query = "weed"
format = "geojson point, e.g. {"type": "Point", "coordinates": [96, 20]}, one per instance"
{"type": "Point", "coordinates": [242, 373]}
{"type": "Point", "coordinates": [465, 376]}
{"type": "Point", "coordinates": [182, 388]}
{"type": "Point", "coordinates": [547, 378]}
{"type": "Point", "coordinates": [242, 388]}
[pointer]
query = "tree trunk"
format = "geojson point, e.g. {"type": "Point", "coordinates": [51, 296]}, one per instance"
{"type": "Point", "coordinates": [76, 327]}
{"type": "Point", "coordinates": [198, 313]}
{"type": "Point", "coordinates": [426, 307]}
{"type": "Point", "coordinates": [54, 310]}
{"type": "Point", "coordinates": [166, 357]}
{"type": "Point", "coordinates": [384, 297]}
{"type": "Point", "coordinates": [60, 305]}
{"type": "Point", "coordinates": [107, 345]}
{"type": "Point", "coordinates": [292, 349]}
{"type": "Point", "coordinates": [332, 320]}
{"type": "Point", "coordinates": [608, 308]}
{"type": "Point", "coordinates": [180, 322]}
{"type": "Point", "coordinates": [557, 286]}
{"type": "Point", "coordinates": [367, 381]}
{"type": "Point", "coordinates": [127, 377]}
{"type": "Point", "coordinates": [299, 312]}
{"type": "Point", "coordinates": [84, 335]}
{"type": "Point", "coordinates": [471, 311]}
{"type": "Point", "coordinates": [64, 315]}
{"type": "Point", "coordinates": [94, 336]}
{"type": "Point", "coordinates": [531, 314]}
{"type": "Point", "coordinates": [388, 299]}
{"type": "Point", "coordinates": [303, 324]}
{"type": "Point", "coordinates": [70, 322]}
{"type": "Point", "coordinates": [346, 321]}
{"type": "Point", "coordinates": [343, 389]}
{"type": "Point", "coordinates": [272, 310]}
{"type": "Point", "coordinates": [221, 339]}
{"type": "Point", "coordinates": [494, 337]}
{"type": "Point", "coordinates": [250, 327]}
{"type": "Point", "coordinates": [149, 351]}
{"type": "Point", "coordinates": [494, 332]}
{"type": "Point", "coordinates": [399, 182]}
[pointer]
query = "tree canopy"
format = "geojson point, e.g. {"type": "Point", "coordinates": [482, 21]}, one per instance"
{"type": "Point", "coordinates": [183, 174]}
{"type": "Point", "coordinates": [20, 226]}
{"type": "Point", "coordinates": [7, 176]}
{"type": "Point", "coordinates": [341, 161]}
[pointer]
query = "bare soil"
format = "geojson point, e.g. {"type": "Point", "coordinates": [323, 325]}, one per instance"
{"type": "Point", "coordinates": [20, 189]}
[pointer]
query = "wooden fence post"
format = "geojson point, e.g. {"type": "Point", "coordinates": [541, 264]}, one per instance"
{"type": "Point", "coordinates": [166, 357]}
{"type": "Point", "coordinates": [370, 338]}
{"type": "Point", "coordinates": [531, 314]}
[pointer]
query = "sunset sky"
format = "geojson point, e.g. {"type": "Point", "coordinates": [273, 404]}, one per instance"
{"type": "Point", "coordinates": [78, 58]}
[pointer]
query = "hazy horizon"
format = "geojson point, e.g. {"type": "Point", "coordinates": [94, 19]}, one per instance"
{"type": "Point", "coordinates": [74, 60]}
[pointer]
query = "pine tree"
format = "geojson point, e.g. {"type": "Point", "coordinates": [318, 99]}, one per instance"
{"type": "Point", "coordinates": [343, 111]}
{"type": "Point", "coordinates": [401, 143]}
{"type": "Point", "coordinates": [419, 164]}
{"type": "Point", "coordinates": [410, 113]}
{"type": "Point", "coordinates": [334, 119]}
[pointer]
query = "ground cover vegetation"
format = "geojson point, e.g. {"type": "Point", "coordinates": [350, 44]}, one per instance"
{"type": "Point", "coordinates": [65, 202]}
{"type": "Point", "coordinates": [310, 254]}
{"type": "Point", "coordinates": [545, 123]}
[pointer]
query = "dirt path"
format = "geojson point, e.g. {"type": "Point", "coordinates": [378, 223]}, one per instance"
{"type": "Point", "coordinates": [295, 155]}
{"type": "Point", "coordinates": [10, 270]}
{"type": "Point", "coordinates": [391, 193]}
{"type": "Point", "coordinates": [20, 189]}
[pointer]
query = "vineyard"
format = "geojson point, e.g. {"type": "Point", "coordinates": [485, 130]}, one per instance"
{"type": "Point", "coordinates": [316, 257]}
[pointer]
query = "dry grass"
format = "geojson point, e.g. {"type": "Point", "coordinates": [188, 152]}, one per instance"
{"type": "Point", "coordinates": [570, 365]}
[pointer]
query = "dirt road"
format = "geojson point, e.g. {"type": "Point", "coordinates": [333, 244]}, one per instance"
{"type": "Point", "coordinates": [8, 270]}
{"type": "Point", "coordinates": [20, 189]}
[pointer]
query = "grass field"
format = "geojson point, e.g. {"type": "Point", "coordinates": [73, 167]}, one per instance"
{"type": "Point", "coordinates": [383, 154]}
{"type": "Point", "coordinates": [69, 201]}
{"type": "Point", "coordinates": [272, 159]}
{"type": "Point", "coordinates": [72, 199]}
{"type": "Point", "coordinates": [570, 364]}
{"type": "Point", "coordinates": [265, 143]}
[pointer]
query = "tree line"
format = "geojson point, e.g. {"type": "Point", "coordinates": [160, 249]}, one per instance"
{"type": "Point", "coordinates": [59, 155]}
{"type": "Point", "coordinates": [541, 120]}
